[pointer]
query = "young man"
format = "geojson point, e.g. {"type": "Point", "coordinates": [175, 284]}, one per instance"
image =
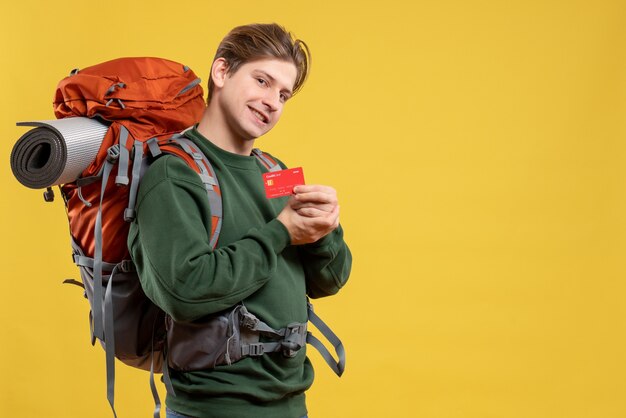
{"type": "Point", "coordinates": [271, 253]}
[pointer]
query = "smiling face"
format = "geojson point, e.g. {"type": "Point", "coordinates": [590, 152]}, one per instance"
{"type": "Point", "coordinates": [251, 100]}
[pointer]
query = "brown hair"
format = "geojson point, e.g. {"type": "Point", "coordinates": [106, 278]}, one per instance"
{"type": "Point", "coordinates": [257, 41]}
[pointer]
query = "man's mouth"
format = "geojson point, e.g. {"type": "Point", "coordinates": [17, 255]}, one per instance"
{"type": "Point", "coordinates": [259, 115]}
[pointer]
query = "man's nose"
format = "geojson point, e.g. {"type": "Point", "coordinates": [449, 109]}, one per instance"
{"type": "Point", "coordinates": [272, 100]}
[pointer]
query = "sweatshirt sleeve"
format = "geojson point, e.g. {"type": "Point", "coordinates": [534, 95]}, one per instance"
{"type": "Point", "coordinates": [327, 264]}
{"type": "Point", "coordinates": [169, 243]}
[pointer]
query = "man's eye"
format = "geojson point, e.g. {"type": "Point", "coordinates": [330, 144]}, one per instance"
{"type": "Point", "coordinates": [261, 81]}
{"type": "Point", "coordinates": [283, 97]}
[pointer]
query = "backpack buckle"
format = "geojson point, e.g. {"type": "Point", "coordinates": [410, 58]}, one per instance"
{"type": "Point", "coordinates": [113, 153]}
{"type": "Point", "coordinates": [294, 339]}
{"type": "Point", "coordinates": [256, 349]}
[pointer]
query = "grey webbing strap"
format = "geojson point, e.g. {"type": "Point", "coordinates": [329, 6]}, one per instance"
{"type": "Point", "coordinates": [129, 212]}
{"type": "Point", "coordinates": [208, 177]}
{"type": "Point", "coordinates": [82, 199]}
{"type": "Point", "coordinates": [153, 389]}
{"type": "Point", "coordinates": [109, 344]}
{"type": "Point", "coordinates": [251, 322]}
{"type": "Point", "coordinates": [197, 156]}
{"type": "Point", "coordinates": [97, 264]}
{"type": "Point", "coordinates": [83, 261]}
{"type": "Point", "coordinates": [153, 146]}
{"type": "Point", "coordinates": [166, 373]}
{"type": "Point", "coordinates": [93, 337]}
{"type": "Point", "coordinates": [261, 326]}
{"type": "Point", "coordinates": [190, 86]}
{"type": "Point", "coordinates": [265, 161]}
{"type": "Point", "coordinates": [114, 87]}
{"type": "Point", "coordinates": [338, 367]}
{"type": "Point", "coordinates": [218, 228]}
{"type": "Point", "coordinates": [122, 169]}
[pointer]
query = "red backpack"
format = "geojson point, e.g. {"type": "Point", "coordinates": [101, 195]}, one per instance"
{"type": "Point", "coordinates": [143, 101]}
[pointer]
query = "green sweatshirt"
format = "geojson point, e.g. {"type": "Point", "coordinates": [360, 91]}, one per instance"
{"type": "Point", "coordinates": [253, 262]}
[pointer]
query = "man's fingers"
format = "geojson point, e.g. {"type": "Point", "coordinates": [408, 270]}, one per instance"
{"type": "Point", "coordinates": [316, 197]}
{"type": "Point", "coordinates": [306, 188]}
{"type": "Point", "coordinates": [320, 219]}
{"type": "Point", "coordinates": [311, 212]}
{"type": "Point", "coordinates": [326, 207]}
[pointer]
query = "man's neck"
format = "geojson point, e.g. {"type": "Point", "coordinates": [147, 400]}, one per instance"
{"type": "Point", "coordinates": [214, 128]}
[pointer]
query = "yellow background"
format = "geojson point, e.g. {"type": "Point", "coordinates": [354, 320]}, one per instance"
{"type": "Point", "coordinates": [478, 149]}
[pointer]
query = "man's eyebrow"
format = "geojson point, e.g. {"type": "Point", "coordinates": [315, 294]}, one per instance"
{"type": "Point", "coordinates": [272, 79]}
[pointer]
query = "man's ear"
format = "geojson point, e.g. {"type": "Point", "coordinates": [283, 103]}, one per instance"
{"type": "Point", "coordinates": [219, 71]}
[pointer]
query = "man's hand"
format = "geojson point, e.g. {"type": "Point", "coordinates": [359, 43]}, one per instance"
{"type": "Point", "coordinates": [310, 214]}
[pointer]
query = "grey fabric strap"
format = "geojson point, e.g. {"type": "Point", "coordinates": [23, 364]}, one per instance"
{"type": "Point", "coordinates": [190, 86]}
{"type": "Point", "coordinates": [153, 388]}
{"type": "Point", "coordinates": [339, 366]}
{"type": "Point", "coordinates": [109, 344]}
{"type": "Point", "coordinates": [208, 177]}
{"type": "Point", "coordinates": [97, 265]}
{"type": "Point", "coordinates": [265, 161]}
{"type": "Point", "coordinates": [266, 329]}
{"type": "Point", "coordinates": [82, 199]}
{"type": "Point", "coordinates": [129, 213]}
{"type": "Point", "coordinates": [198, 157]}
{"type": "Point", "coordinates": [166, 373]}
{"type": "Point", "coordinates": [114, 87]}
{"type": "Point", "coordinates": [153, 146]}
{"type": "Point", "coordinates": [251, 322]}
{"type": "Point", "coordinates": [84, 261]}
{"type": "Point", "coordinates": [122, 169]}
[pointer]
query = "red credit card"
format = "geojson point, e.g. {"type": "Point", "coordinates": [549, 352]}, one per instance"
{"type": "Point", "coordinates": [281, 183]}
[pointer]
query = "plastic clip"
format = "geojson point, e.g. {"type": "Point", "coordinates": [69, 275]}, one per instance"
{"type": "Point", "coordinates": [113, 153]}
{"type": "Point", "coordinates": [256, 350]}
{"type": "Point", "coordinates": [293, 340]}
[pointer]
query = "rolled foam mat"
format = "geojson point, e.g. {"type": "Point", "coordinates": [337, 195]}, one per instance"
{"type": "Point", "coordinates": [56, 151]}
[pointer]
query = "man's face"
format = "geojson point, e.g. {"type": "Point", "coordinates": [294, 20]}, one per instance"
{"type": "Point", "coordinates": [252, 99]}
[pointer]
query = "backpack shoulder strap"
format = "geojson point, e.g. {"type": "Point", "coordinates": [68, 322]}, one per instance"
{"type": "Point", "coordinates": [184, 148]}
{"type": "Point", "coordinates": [268, 162]}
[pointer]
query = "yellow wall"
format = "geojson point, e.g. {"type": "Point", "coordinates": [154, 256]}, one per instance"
{"type": "Point", "coordinates": [479, 151]}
